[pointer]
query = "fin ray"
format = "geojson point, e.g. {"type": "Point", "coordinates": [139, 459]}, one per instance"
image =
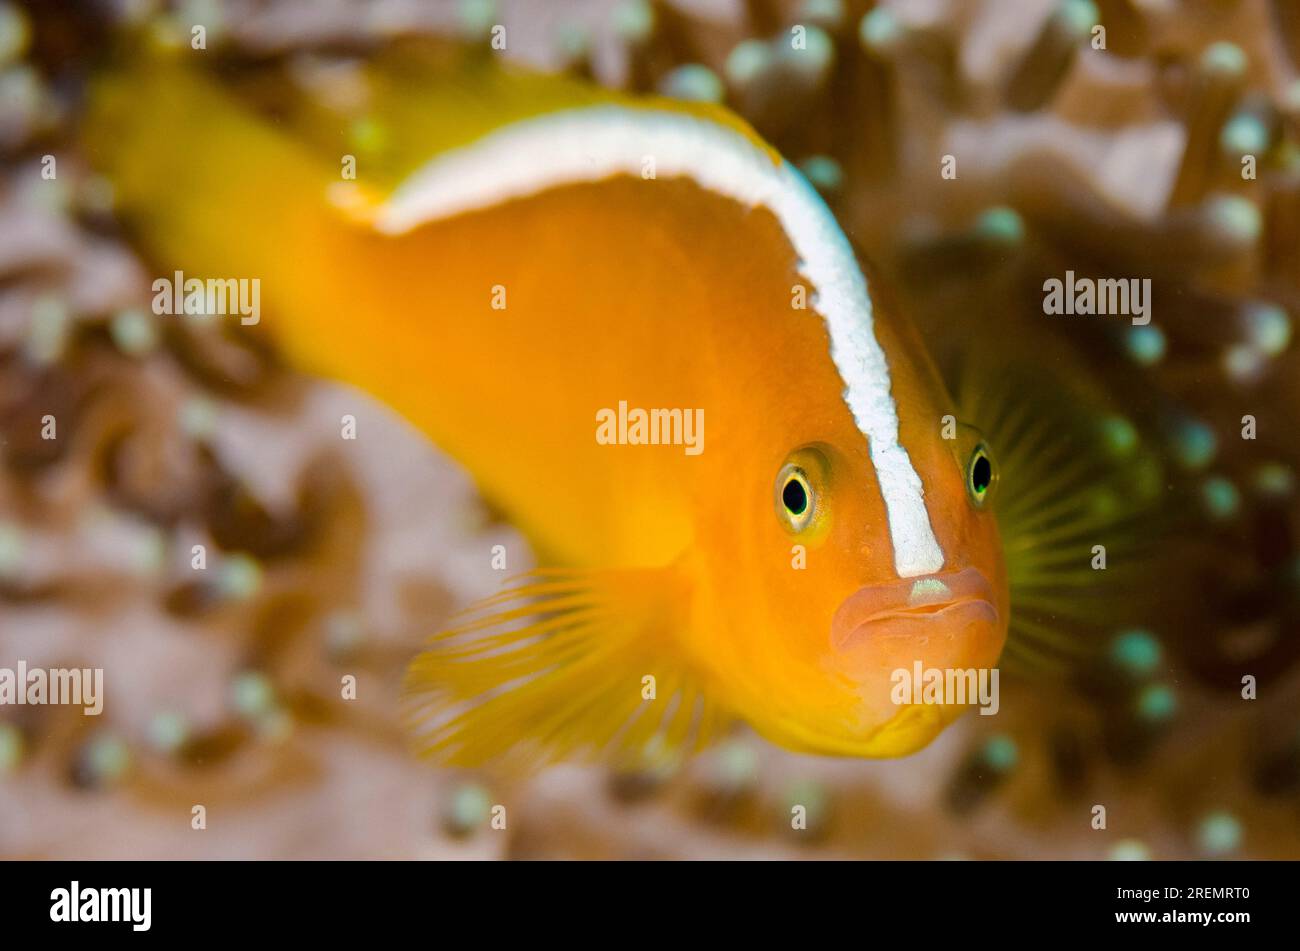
{"type": "Point", "coordinates": [552, 667]}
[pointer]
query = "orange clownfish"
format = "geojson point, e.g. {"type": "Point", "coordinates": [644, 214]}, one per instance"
{"type": "Point", "coordinates": [649, 341]}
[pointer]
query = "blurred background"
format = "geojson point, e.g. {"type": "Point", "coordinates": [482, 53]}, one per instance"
{"type": "Point", "coordinates": [1166, 145]}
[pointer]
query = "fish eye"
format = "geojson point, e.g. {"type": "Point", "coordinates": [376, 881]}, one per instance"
{"type": "Point", "coordinates": [801, 492]}
{"type": "Point", "coordinates": [796, 497]}
{"type": "Point", "coordinates": [981, 475]}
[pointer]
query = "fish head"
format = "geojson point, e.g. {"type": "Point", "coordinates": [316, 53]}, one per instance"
{"type": "Point", "coordinates": [901, 629]}
{"type": "Point", "coordinates": [877, 562]}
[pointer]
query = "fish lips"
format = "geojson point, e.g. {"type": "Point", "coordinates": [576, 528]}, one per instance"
{"type": "Point", "coordinates": [911, 609]}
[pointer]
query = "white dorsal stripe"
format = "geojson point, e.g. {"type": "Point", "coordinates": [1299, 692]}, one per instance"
{"type": "Point", "coordinates": [599, 142]}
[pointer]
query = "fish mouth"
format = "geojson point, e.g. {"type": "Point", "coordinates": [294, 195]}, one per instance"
{"type": "Point", "coordinates": [954, 602]}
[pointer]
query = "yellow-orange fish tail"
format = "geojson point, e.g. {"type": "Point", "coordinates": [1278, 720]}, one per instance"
{"type": "Point", "coordinates": [188, 164]}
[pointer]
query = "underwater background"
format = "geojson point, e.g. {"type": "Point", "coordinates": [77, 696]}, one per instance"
{"type": "Point", "coordinates": [324, 561]}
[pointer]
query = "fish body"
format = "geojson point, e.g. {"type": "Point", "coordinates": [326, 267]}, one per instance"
{"type": "Point", "coordinates": [534, 294]}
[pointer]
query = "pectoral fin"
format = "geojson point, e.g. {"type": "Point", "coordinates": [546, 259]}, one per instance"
{"type": "Point", "coordinates": [564, 664]}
